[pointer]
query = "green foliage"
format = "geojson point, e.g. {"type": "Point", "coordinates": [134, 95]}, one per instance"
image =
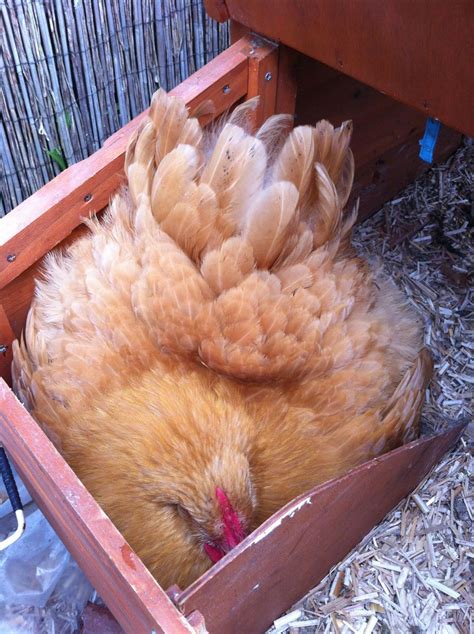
{"type": "Point", "coordinates": [58, 157]}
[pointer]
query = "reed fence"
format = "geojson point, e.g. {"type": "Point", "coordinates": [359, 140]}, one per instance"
{"type": "Point", "coordinates": [74, 71]}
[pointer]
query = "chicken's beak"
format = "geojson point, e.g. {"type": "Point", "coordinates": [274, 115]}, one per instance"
{"type": "Point", "coordinates": [215, 554]}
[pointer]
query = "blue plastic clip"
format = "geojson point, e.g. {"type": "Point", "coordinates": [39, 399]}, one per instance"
{"type": "Point", "coordinates": [428, 142]}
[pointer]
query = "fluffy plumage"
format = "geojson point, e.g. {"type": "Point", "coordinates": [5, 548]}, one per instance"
{"type": "Point", "coordinates": [213, 347]}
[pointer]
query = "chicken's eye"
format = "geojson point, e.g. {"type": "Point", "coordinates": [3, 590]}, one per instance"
{"type": "Point", "coordinates": [181, 511]}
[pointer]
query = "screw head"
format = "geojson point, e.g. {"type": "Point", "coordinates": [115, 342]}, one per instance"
{"type": "Point", "coordinates": [11, 257]}
{"type": "Point", "coordinates": [268, 76]}
{"type": "Point", "coordinates": [226, 89]}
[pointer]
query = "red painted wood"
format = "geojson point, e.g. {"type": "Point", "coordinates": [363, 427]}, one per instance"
{"type": "Point", "coordinates": [263, 79]}
{"type": "Point", "coordinates": [419, 52]}
{"type": "Point", "coordinates": [217, 9]}
{"type": "Point", "coordinates": [98, 620]}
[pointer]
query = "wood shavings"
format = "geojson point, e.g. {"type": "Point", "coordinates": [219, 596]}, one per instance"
{"type": "Point", "coordinates": [414, 572]}
{"type": "Point", "coordinates": [370, 625]}
{"type": "Point", "coordinates": [442, 588]}
{"type": "Point", "coordinates": [420, 504]}
{"type": "Point", "coordinates": [284, 621]}
{"type": "Point", "coordinates": [308, 623]}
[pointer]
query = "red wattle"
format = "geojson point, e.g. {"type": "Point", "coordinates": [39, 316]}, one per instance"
{"type": "Point", "coordinates": [214, 554]}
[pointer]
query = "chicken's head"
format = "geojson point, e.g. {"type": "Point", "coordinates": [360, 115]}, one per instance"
{"type": "Point", "coordinates": [177, 479]}
{"type": "Point", "coordinates": [216, 503]}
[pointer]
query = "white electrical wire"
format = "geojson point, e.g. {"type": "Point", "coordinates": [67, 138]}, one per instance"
{"type": "Point", "coordinates": [13, 537]}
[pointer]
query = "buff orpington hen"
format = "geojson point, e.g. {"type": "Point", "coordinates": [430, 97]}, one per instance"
{"type": "Point", "coordinates": [214, 347]}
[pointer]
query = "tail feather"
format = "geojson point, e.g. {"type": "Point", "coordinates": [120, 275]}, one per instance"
{"type": "Point", "coordinates": [345, 248]}
{"type": "Point", "coordinates": [235, 171]}
{"type": "Point", "coordinates": [167, 126]}
{"type": "Point", "coordinates": [327, 218]}
{"type": "Point", "coordinates": [173, 181]}
{"type": "Point", "coordinates": [400, 417]}
{"type": "Point", "coordinates": [345, 179]}
{"type": "Point", "coordinates": [295, 163]}
{"type": "Point", "coordinates": [242, 115]}
{"type": "Point", "coordinates": [269, 204]}
{"type": "Point", "coordinates": [232, 230]}
{"type": "Point", "coordinates": [170, 118]}
{"type": "Point", "coordinates": [270, 219]}
{"type": "Point", "coordinates": [192, 224]}
{"type": "Point", "coordinates": [332, 147]}
{"type": "Point", "coordinates": [274, 132]}
{"type": "Point", "coordinates": [298, 247]}
{"type": "Point", "coordinates": [139, 161]}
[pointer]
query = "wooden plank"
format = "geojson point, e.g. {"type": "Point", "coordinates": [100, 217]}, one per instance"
{"type": "Point", "coordinates": [285, 99]}
{"type": "Point", "coordinates": [419, 53]}
{"type": "Point", "coordinates": [47, 217]}
{"type": "Point", "coordinates": [97, 618]}
{"type": "Point", "coordinates": [293, 550]}
{"type": "Point", "coordinates": [287, 84]}
{"type": "Point", "coordinates": [236, 30]}
{"type": "Point", "coordinates": [263, 78]}
{"type": "Point", "coordinates": [131, 593]}
{"type": "Point", "coordinates": [17, 295]}
{"type": "Point", "coordinates": [217, 9]}
{"type": "Point", "coordinates": [6, 339]}
{"type": "Point", "coordinates": [382, 178]}
{"type": "Point", "coordinates": [15, 299]}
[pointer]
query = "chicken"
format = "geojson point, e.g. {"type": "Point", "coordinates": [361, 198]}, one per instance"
{"type": "Point", "coordinates": [214, 347]}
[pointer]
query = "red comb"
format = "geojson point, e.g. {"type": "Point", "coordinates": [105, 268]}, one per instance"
{"type": "Point", "coordinates": [233, 531]}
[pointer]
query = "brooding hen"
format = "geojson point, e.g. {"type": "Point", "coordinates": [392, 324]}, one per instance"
{"type": "Point", "coordinates": [214, 347]}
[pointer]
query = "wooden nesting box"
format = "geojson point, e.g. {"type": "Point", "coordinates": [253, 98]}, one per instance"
{"type": "Point", "coordinates": [295, 548]}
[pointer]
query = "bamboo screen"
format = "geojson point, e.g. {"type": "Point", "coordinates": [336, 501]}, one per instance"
{"type": "Point", "coordinates": [74, 71]}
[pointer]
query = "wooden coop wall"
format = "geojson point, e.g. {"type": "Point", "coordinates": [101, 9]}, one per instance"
{"type": "Point", "coordinates": [418, 52]}
{"type": "Point", "coordinates": [386, 135]}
